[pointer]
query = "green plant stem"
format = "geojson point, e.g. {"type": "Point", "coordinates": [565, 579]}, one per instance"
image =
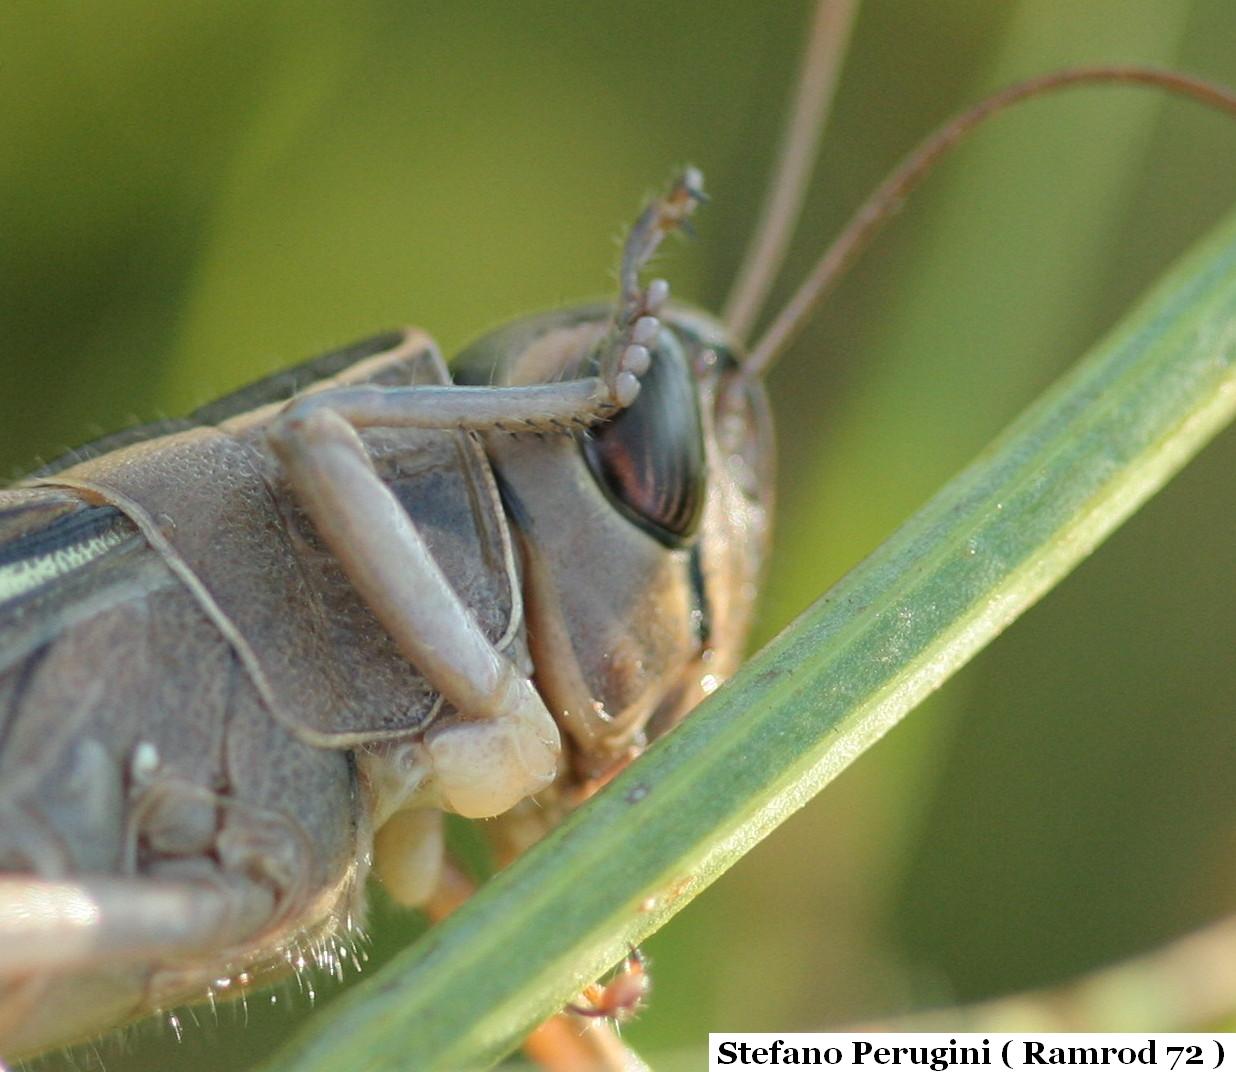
{"type": "Point", "coordinates": [984, 549]}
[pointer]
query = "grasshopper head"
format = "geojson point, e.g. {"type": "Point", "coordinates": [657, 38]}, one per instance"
{"type": "Point", "coordinates": [642, 537]}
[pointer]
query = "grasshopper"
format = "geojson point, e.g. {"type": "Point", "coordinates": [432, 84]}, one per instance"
{"type": "Point", "coordinates": [383, 573]}
{"type": "Point", "coordinates": [387, 597]}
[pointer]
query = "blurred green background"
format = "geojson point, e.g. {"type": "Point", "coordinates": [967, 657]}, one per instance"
{"type": "Point", "coordinates": [196, 194]}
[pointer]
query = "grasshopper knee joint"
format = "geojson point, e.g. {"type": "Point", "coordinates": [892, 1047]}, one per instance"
{"type": "Point", "coordinates": [485, 767]}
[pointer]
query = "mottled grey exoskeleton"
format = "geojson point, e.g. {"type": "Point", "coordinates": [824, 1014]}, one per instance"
{"type": "Point", "coordinates": [245, 653]}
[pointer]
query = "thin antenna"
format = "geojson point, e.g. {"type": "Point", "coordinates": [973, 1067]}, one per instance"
{"type": "Point", "coordinates": [893, 191]}
{"type": "Point", "coordinates": [800, 140]}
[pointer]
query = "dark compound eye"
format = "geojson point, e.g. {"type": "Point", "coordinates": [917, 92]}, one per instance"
{"type": "Point", "coordinates": [650, 458]}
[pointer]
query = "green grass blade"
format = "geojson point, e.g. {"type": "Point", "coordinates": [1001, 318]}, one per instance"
{"type": "Point", "coordinates": [984, 549]}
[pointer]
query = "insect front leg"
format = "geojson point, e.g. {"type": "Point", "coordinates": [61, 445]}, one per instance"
{"type": "Point", "coordinates": [551, 408]}
{"type": "Point", "coordinates": [561, 406]}
{"type": "Point", "coordinates": [505, 745]}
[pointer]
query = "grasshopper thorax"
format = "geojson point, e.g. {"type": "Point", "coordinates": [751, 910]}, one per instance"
{"type": "Point", "coordinates": [642, 537]}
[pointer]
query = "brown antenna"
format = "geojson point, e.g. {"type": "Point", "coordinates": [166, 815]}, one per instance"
{"type": "Point", "coordinates": [800, 140]}
{"type": "Point", "coordinates": [889, 196]}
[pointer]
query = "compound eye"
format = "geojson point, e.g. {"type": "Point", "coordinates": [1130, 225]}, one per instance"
{"type": "Point", "coordinates": [650, 458]}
